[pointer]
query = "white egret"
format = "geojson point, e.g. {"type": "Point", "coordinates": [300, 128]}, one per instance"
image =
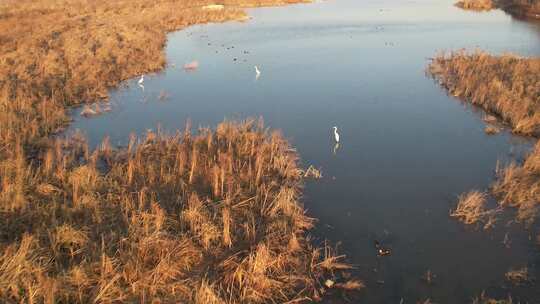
{"type": "Point", "coordinates": [336, 135]}
{"type": "Point", "coordinates": [141, 82]}
{"type": "Point", "coordinates": [257, 72]}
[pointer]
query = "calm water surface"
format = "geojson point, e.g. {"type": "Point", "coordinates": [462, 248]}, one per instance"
{"type": "Point", "coordinates": [407, 148]}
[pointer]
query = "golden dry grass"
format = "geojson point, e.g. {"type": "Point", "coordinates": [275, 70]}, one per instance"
{"type": "Point", "coordinates": [477, 5]}
{"type": "Point", "coordinates": [519, 276]}
{"type": "Point", "coordinates": [507, 86]}
{"type": "Point", "coordinates": [521, 8]}
{"type": "Point", "coordinates": [312, 172]}
{"type": "Point", "coordinates": [519, 186]}
{"type": "Point", "coordinates": [484, 299]}
{"type": "Point", "coordinates": [472, 209]}
{"type": "Point", "coordinates": [206, 218]}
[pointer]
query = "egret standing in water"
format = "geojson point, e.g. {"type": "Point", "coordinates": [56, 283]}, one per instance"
{"type": "Point", "coordinates": [141, 81]}
{"type": "Point", "coordinates": [336, 135]}
{"type": "Point", "coordinates": [336, 138]}
{"type": "Point", "coordinates": [257, 72]}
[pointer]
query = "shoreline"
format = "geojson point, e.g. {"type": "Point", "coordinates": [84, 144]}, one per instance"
{"type": "Point", "coordinates": [523, 10]}
{"type": "Point", "coordinates": [506, 86]}
{"type": "Point", "coordinates": [80, 52]}
{"type": "Point", "coordinates": [516, 8]}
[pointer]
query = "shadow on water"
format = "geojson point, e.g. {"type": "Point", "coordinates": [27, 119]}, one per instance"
{"type": "Point", "coordinates": [406, 151]}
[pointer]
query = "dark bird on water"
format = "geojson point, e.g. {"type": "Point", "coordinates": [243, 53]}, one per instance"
{"type": "Point", "coordinates": [381, 251]}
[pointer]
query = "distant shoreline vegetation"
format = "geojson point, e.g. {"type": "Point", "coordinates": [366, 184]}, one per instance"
{"type": "Point", "coordinates": [522, 8]}
{"type": "Point", "coordinates": [478, 5]}
{"type": "Point", "coordinates": [509, 87]}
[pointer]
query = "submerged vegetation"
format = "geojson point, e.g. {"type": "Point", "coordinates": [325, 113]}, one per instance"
{"type": "Point", "coordinates": [508, 86]}
{"type": "Point", "coordinates": [211, 218]}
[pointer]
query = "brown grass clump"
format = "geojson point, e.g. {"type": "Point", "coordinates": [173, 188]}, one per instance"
{"type": "Point", "coordinates": [507, 86]}
{"type": "Point", "coordinates": [519, 186]}
{"type": "Point", "coordinates": [312, 172]}
{"type": "Point", "coordinates": [489, 118]}
{"type": "Point", "coordinates": [472, 209]}
{"type": "Point", "coordinates": [522, 8]}
{"type": "Point", "coordinates": [484, 299]}
{"type": "Point", "coordinates": [519, 276]}
{"type": "Point", "coordinates": [491, 130]}
{"type": "Point", "coordinates": [210, 218]}
{"type": "Point", "coordinates": [477, 5]}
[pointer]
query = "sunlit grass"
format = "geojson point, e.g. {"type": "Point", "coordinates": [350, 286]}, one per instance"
{"type": "Point", "coordinates": [472, 209]}
{"type": "Point", "coordinates": [210, 217]}
{"type": "Point", "coordinates": [479, 5]}
{"type": "Point", "coordinates": [213, 216]}
{"type": "Point", "coordinates": [507, 86]}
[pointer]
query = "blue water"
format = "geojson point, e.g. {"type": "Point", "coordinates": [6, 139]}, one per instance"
{"type": "Point", "coordinates": [407, 149]}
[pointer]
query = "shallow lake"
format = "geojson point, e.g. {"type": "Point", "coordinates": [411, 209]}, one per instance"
{"type": "Point", "coordinates": [407, 149]}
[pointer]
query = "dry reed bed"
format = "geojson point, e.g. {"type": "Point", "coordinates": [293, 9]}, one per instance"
{"type": "Point", "coordinates": [477, 5]}
{"type": "Point", "coordinates": [519, 276]}
{"type": "Point", "coordinates": [483, 299]}
{"type": "Point", "coordinates": [472, 209]}
{"type": "Point", "coordinates": [518, 185]}
{"type": "Point", "coordinates": [211, 218]}
{"type": "Point", "coordinates": [508, 86]}
{"type": "Point", "coordinates": [521, 8]}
